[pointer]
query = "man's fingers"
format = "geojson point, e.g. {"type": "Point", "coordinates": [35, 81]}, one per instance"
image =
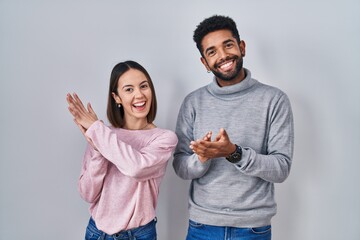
{"type": "Point", "coordinates": [219, 135]}
{"type": "Point", "coordinates": [199, 147]}
{"type": "Point", "coordinates": [207, 137]}
{"type": "Point", "coordinates": [224, 133]}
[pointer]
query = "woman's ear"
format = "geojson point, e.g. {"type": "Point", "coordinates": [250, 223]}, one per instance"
{"type": "Point", "coordinates": [116, 98]}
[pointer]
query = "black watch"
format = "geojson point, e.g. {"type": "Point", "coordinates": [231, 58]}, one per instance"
{"type": "Point", "coordinates": [235, 157]}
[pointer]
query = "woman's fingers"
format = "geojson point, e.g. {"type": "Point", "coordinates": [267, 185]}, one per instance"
{"type": "Point", "coordinates": [75, 102]}
{"type": "Point", "coordinates": [83, 116]}
{"type": "Point", "coordinates": [92, 113]}
{"type": "Point", "coordinates": [90, 109]}
{"type": "Point", "coordinates": [79, 103]}
{"type": "Point", "coordinates": [76, 106]}
{"type": "Point", "coordinates": [82, 129]}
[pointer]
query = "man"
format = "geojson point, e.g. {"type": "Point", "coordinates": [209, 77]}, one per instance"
{"type": "Point", "coordinates": [233, 172]}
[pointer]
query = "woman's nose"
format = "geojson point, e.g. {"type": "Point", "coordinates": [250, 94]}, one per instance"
{"type": "Point", "coordinates": [138, 93]}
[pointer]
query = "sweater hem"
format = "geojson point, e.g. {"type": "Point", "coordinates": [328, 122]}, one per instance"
{"type": "Point", "coordinates": [231, 220]}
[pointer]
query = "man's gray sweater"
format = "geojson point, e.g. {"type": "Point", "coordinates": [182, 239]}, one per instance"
{"type": "Point", "coordinates": [258, 118]}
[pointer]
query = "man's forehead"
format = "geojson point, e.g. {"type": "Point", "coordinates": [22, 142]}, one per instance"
{"type": "Point", "coordinates": [217, 37]}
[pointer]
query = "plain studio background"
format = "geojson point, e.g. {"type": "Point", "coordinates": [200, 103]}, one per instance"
{"type": "Point", "coordinates": [309, 49]}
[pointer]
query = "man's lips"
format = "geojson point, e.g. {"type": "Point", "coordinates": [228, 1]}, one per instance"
{"type": "Point", "coordinates": [226, 65]}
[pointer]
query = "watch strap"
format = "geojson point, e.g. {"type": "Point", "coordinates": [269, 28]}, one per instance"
{"type": "Point", "coordinates": [235, 157]}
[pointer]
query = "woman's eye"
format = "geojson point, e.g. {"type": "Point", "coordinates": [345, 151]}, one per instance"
{"type": "Point", "coordinates": [144, 86]}
{"type": "Point", "coordinates": [128, 89]}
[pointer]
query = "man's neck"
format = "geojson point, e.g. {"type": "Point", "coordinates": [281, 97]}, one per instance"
{"type": "Point", "coordinates": [241, 76]}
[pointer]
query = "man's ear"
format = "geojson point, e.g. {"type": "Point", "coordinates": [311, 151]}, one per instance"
{"type": "Point", "coordinates": [242, 46]}
{"type": "Point", "coordinates": [203, 60]}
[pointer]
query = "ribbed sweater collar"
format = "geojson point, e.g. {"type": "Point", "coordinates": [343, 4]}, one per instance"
{"type": "Point", "coordinates": [233, 91]}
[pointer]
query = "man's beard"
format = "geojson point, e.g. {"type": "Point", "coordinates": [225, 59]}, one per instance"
{"type": "Point", "coordinates": [231, 75]}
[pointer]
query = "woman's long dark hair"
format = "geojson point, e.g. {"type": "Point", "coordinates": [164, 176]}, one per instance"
{"type": "Point", "coordinates": [116, 114]}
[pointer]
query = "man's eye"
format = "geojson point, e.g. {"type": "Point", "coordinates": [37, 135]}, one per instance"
{"type": "Point", "coordinates": [229, 45]}
{"type": "Point", "coordinates": [211, 53]}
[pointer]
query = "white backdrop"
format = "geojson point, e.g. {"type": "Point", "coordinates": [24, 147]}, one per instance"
{"type": "Point", "coordinates": [309, 49]}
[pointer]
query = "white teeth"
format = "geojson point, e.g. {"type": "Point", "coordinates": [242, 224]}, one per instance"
{"type": "Point", "coordinates": [226, 65]}
{"type": "Point", "coordinates": [139, 104]}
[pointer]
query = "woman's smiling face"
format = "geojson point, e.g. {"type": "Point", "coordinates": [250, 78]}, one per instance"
{"type": "Point", "coordinates": [134, 94]}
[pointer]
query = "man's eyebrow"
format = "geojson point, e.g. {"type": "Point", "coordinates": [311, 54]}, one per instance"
{"type": "Point", "coordinates": [227, 41]}
{"type": "Point", "coordinates": [208, 49]}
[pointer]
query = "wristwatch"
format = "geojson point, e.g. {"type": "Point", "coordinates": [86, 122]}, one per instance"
{"type": "Point", "coordinates": [235, 157]}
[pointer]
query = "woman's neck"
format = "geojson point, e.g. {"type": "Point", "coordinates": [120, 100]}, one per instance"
{"type": "Point", "coordinates": [141, 125]}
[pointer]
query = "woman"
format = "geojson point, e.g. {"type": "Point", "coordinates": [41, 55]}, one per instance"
{"type": "Point", "coordinates": [124, 163]}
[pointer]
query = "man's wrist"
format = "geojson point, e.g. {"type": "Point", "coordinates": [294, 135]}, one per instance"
{"type": "Point", "coordinates": [232, 150]}
{"type": "Point", "coordinates": [235, 157]}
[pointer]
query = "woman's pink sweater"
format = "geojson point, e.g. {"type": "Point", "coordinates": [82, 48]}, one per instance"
{"type": "Point", "coordinates": [121, 179]}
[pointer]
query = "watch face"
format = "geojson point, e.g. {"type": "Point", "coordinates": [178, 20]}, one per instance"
{"type": "Point", "coordinates": [235, 157]}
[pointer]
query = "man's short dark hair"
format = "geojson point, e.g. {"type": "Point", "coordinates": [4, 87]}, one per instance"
{"type": "Point", "coordinates": [213, 24]}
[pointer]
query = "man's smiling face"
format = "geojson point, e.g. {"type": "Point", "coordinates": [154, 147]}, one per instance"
{"type": "Point", "coordinates": [223, 55]}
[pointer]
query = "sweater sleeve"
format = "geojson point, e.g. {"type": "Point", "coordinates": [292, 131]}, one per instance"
{"type": "Point", "coordinates": [186, 163]}
{"type": "Point", "coordinates": [94, 169]}
{"type": "Point", "coordinates": [140, 164]}
{"type": "Point", "coordinates": [275, 165]}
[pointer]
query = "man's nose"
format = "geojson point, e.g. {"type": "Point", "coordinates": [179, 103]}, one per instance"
{"type": "Point", "coordinates": [222, 53]}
